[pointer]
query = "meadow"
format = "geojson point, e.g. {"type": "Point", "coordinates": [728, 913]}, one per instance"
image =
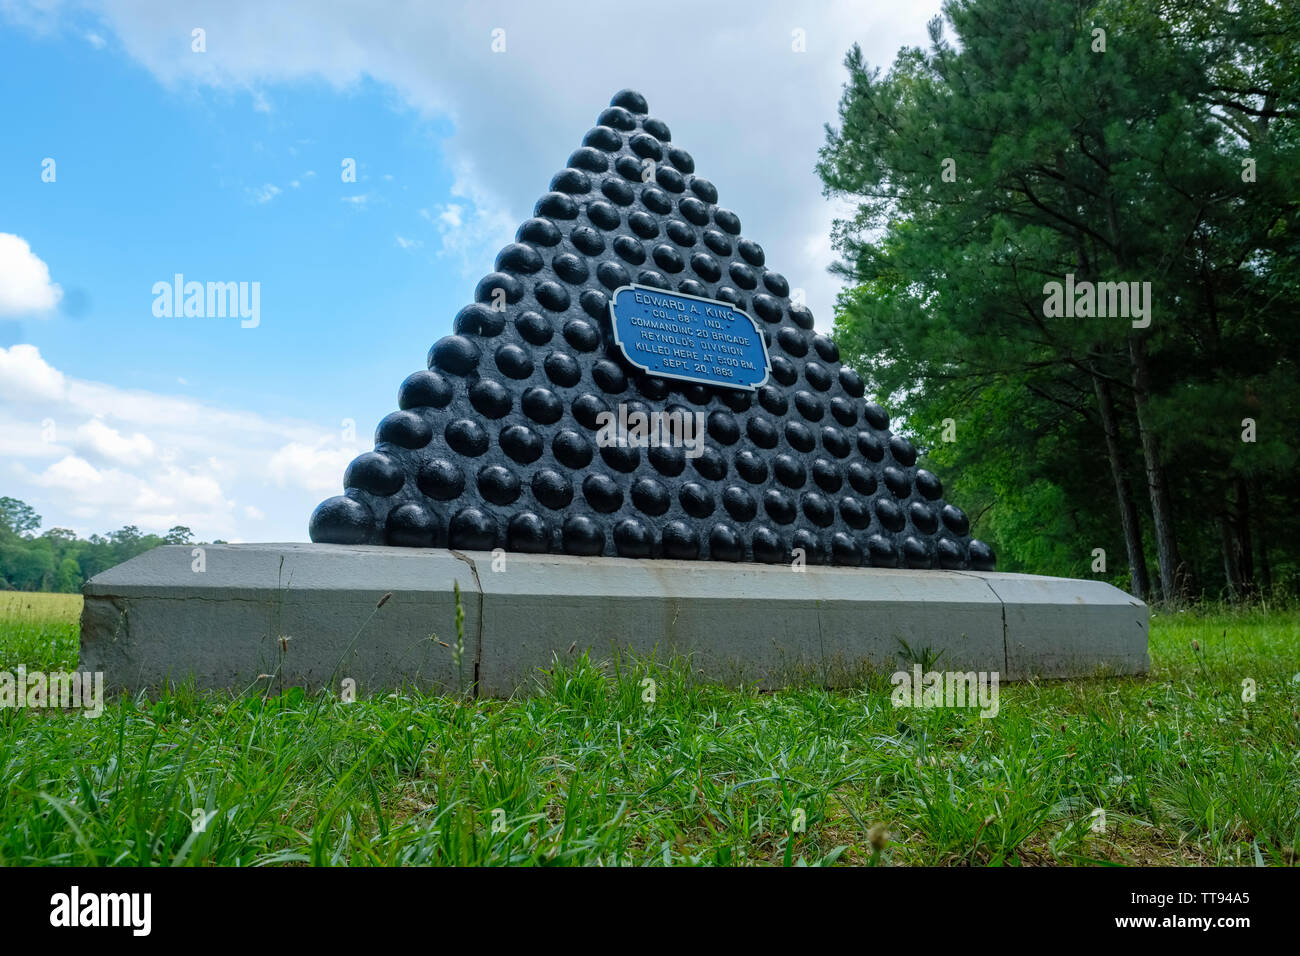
{"type": "Point", "coordinates": [1176, 768]}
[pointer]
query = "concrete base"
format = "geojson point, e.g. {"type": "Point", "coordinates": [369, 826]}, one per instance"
{"type": "Point", "coordinates": [309, 615]}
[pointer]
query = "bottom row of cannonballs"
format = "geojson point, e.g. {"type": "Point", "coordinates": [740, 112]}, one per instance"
{"type": "Point", "coordinates": [472, 529]}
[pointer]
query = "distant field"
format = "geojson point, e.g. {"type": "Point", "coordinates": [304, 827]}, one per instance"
{"type": "Point", "coordinates": [587, 771]}
{"type": "Point", "coordinates": [38, 630]}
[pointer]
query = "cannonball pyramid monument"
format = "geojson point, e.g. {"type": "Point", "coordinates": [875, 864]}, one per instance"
{"type": "Point", "coordinates": [789, 537]}
{"type": "Point", "coordinates": [494, 445]}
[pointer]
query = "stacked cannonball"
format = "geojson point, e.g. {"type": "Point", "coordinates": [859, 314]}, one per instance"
{"type": "Point", "coordinates": [494, 444]}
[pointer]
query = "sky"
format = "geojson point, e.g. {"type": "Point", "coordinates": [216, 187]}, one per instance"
{"type": "Point", "coordinates": [357, 166]}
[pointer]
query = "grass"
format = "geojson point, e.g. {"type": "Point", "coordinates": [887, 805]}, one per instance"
{"type": "Point", "coordinates": [588, 771]}
{"type": "Point", "coordinates": [38, 631]}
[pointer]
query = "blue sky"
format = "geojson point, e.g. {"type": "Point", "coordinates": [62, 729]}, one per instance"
{"type": "Point", "coordinates": [224, 165]}
{"type": "Point", "coordinates": [225, 192]}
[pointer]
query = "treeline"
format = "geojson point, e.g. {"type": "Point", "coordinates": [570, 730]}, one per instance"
{"type": "Point", "coordinates": [1075, 272]}
{"type": "Point", "coordinates": [60, 561]}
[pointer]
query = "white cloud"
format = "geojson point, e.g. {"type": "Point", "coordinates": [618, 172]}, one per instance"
{"type": "Point", "coordinates": [409, 243]}
{"type": "Point", "coordinates": [95, 40]}
{"type": "Point", "coordinates": [472, 230]}
{"type": "Point", "coordinates": [94, 457]}
{"type": "Point", "coordinates": [264, 194]}
{"type": "Point", "coordinates": [110, 444]}
{"type": "Point", "coordinates": [71, 474]}
{"type": "Point", "coordinates": [25, 376]}
{"type": "Point", "coordinates": [25, 285]}
{"type": "Point", "coordinates": [29, 440]}
{"type": "Point", "coordinates": [319, 466]}
{"type": "Point", "coordinates": [154, 503]}
{"type": "Point", "coordinates": [752, 118]}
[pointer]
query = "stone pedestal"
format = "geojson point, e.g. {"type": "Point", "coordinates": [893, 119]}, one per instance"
{"type": "Point", "coordinates": [310, 615]}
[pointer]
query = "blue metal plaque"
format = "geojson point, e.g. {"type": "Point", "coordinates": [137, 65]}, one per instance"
{"type": "Point", "coordinates": [689, 338]}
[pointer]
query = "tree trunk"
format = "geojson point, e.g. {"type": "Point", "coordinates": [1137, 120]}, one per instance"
{"type": "Point", "coordinates": [1265, 569]}
{"type": "Point", "coordinates": [1128, 516]}
{"type": "Point", "coordinates": [1231, 562]}
{"type": "Point", "coordinates": [1173, 577]}
{"type": "Point", "coordinates": [1245, 551]}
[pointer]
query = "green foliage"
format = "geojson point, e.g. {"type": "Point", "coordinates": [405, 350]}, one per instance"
{"type": "Point", "coordinates": [67, 580]}
{"type": "Point", "coordinates": [60, 561]}
{"type": "Point", "coordinates": [18, 517]}
{"type": "Point", "coordinates": [985, 167]}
